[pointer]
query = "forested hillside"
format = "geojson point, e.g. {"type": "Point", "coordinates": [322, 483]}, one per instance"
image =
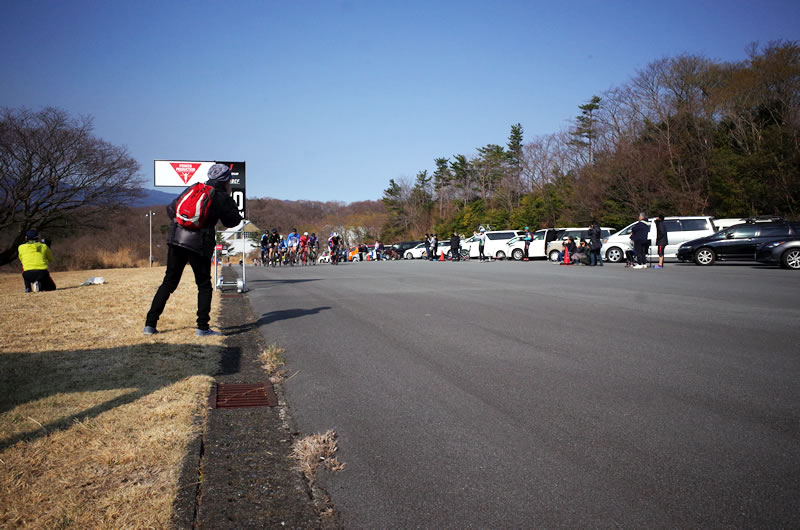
{"type": "Point", "coordinates": [686, 135]}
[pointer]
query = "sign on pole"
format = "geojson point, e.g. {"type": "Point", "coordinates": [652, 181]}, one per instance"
{"type": "Point", "coordinates": [182, 173]}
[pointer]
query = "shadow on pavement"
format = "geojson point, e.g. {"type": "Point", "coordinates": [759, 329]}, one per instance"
{"type": "Point", "coordinates": [272, 316]}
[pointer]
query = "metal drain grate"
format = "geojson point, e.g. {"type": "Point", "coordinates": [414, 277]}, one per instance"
{"type": "Point", "coordinates": [235, 396]}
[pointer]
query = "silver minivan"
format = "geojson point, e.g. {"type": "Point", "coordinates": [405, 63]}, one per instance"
{"type": "Point", "coordinates": [679, 231]}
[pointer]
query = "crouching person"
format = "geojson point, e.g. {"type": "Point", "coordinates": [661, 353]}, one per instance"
{"type": "Point", "coordinates": [35, 257]}
{"type": "Point", "coordinates": [192, 241]}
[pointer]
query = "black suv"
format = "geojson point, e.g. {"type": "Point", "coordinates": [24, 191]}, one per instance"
{"type": "Point", "coordinates": [738, 242]}
{"type": "Point", "coordinates": [402, 246]}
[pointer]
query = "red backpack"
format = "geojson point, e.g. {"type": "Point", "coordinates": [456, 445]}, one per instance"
{"type": "Point", "coordinates": [193, 206]}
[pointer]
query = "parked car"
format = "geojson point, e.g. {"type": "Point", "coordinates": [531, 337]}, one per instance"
{"type": "Point", "coordinates": [679, 231]}
{"type": "Point", "coordinates": [537, 248]}
{"type": "Point", "coordinates": [738, 242]}
{"type": "Point", "coordinates": [402, 246]}
{"type": "Point", "coordinates": [725, 223]}
{"type": "Point", "coordinates": [325, 257]}
{"type": "Point", "coordinates": [418, 252]}
{"type": "Point", "coordinates": [785, 252]}
{"type": "Point", "coordinates": [495, 243]}
{"type": "Point", "coordinates": [555, 246]}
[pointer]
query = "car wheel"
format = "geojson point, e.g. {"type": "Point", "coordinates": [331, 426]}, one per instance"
{"type": "Point", "coordinates": [704, 256]}
{"type": "Point", "coordinates": [517, 254]}
{"type": "Point", "coordinates": [614, 255]}
{"type": "Point", "coordinates": [500, 255]}
{"type": "Point", "coordinates": [409, 255]}
{"type": "Point", "coordinates": [553, 256]}
{"type": "Point", "coordinates": [791, 259]}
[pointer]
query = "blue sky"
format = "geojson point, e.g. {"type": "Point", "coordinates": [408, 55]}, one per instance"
{"type": "Point", "coordinates": [328, 100]}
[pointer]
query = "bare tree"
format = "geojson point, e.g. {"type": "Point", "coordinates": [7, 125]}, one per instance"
{"type": "Point", "coordinates": [54, 175]}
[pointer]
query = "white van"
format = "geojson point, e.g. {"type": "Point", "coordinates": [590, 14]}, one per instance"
{"type": "Point", "coordinates": [495, 243]}
{"type": "Point", "coordinates": [537, 248]}
{"type": "Point", "coordinates": [679, 231]}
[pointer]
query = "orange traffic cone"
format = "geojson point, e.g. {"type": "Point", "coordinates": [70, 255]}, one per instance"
{"type": "Point", "coordinates": [566, 256]}
{"type": "Point", "coordinates": [441, 257]}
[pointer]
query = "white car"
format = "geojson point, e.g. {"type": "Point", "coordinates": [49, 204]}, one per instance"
{"type": "Point", "coordinates": [325, 257]}
{"type": "Point", "coordinates": [418, 252]}
{"type": "Point", "coordinates": [679, 231]}
{"type": "Point", "coordinates": [537, 248]}
{"type": "Point", "coordinates": [555, 247]}
{"type": "Point", "coordinates": [495, 244]}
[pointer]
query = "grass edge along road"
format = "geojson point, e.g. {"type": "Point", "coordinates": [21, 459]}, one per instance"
{"type": "Point", "coordinates": [95, 418]}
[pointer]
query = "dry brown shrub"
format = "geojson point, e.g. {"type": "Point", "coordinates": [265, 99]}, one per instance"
{"type": "Point", "coordinates": [314, 451]}
{"type": "Point", "coordinates": [95, 417]}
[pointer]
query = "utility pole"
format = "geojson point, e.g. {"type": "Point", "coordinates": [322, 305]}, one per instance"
{"type": "Point", "coordinates": [150, 214]}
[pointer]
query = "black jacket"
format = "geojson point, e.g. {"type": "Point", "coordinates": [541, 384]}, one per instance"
{"type": "Point", "coordinates": [595, 234]}
{"type": "Point", "coordinates": [203, 241]}
{"type": "Point", "coordinates": [455, 241]}
{"type": "Point", "coordinates": [661, 233]}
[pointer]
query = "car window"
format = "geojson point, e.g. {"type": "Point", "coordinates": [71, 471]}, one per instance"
{"type": "Point", "coordinates": [500, 235]}
{"type": "Point", "coordinates": [690, 225]}
{"type": "Point", "coordinates": [539, 236]}
{"type": "Point", "coordinates": [626, 230]}
{"type": "Point", "coordinates": [604, 233]}
{"type": "Point", "coordinates": [742, 232]}
{"type": "Point", "coordinates": [773, 231]}
{"type": "Point", "coordinates": [672, 225]}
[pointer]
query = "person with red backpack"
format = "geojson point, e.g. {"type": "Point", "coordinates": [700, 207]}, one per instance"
{"type": "Point", "coordinates": [191, 239]}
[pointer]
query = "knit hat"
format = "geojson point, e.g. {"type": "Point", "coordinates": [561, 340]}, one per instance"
{"type": "Point", "coordinates": [219, 173]}
{"type": "Point", "coordinates": [32, 234]}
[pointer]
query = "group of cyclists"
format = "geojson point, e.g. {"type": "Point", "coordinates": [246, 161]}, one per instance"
{"type": "Point", "coordinates": [296, 249]}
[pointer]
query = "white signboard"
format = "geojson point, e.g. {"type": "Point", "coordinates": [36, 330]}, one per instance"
{"type": "Point", "coordinates": [180, 173]}
{"type": "Point", "coordinates": [183, 173]}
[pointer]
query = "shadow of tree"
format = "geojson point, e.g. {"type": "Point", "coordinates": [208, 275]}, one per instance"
{"type": "Point", "coordinates": [134, 371]}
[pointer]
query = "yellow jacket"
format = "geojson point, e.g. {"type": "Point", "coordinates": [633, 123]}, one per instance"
{"type": "Point", "coordinates": [34, 256]}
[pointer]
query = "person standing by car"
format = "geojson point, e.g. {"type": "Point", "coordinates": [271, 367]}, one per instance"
{"type": "Point", "coordinates": [661, 240]}
{"type": "Point", "coordinates": [35, 257]}
{"type": "Point", "coordinates": [434, 246]}
{"type": "Point", "coordinates": [195, 247]}
{"type": "Point", "coordinates": [595, 244]}
{"type": "Point", "coordinates": [427, 240]}
{"type": "Point", "coordinates": [455, 244]}
{"type": "Point", "coordinates": [481, 244]}
{"type": "Point", "coordinates": [527, 238]}
{"type": "Point", "coordinates": [639, 235]}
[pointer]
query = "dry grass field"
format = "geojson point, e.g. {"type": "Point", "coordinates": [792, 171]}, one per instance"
{"type": "Point", "coordinates": [94, 416]}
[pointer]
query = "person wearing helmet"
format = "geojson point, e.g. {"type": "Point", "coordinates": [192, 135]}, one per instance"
{"type": "Point", "coordinates": [527, 238]}
{"type": "Point", "coordinates": [313, 248]}
{"type": "Point", "coordinates": [274, 240]}
{"type": "Point", "coordinates": [303, 248]}
{"type": "Point", "coordinates": [195, 247]}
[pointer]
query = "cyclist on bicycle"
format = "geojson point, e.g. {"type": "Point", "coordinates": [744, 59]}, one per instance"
{"type": "Point", "coordinates": [313, 247]}
{"type": "Point", "coordinates": [264, 247]}
{"type": "Point", "coordinates": [303, 246]}
{"type": "Point", "coordinates": [292, 242]}
{"type": "Point", "coordinates": [272, 243]}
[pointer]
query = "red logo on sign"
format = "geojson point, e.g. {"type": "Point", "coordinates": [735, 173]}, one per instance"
{"type": "Point", "coordinates": [185, 170]}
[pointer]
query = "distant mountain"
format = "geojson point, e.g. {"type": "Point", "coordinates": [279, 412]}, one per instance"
{"type": "Point", "coordinates": [153, 198]}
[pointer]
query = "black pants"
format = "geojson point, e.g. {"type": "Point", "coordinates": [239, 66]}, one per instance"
{"type": "Point", "coordinates": [177, 258]}
{"type": "Point", "coordinates": [46, 283]}
{"type": "Point", "coordinates": [480, 252]}
{"type": "Point", "coordinates": [455, 253]}
{"type": "Point", "coordinates": [641, 251]}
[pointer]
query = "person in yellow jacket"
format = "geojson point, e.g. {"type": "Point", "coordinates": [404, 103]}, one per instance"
{"type": "Point", "coordinates": [35, 257]}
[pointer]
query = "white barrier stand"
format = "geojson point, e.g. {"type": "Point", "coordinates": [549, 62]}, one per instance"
{"type": "Point", "coordinates": [241, 283]}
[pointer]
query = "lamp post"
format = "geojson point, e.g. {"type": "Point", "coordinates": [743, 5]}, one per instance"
{"type": "Point", "coordinates": [150, 214]}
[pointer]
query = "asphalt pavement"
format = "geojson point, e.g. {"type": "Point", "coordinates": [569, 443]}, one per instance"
{"type": "Point", "coordinates": [528, 394]}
